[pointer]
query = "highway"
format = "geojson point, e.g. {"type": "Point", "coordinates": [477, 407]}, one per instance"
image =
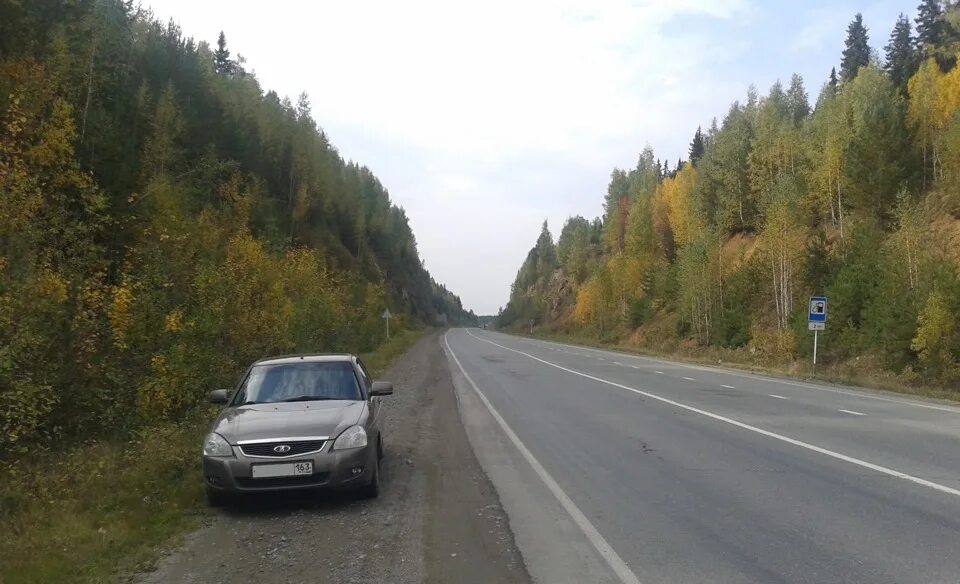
{"type": "Point", "coordinates": [651, 471]}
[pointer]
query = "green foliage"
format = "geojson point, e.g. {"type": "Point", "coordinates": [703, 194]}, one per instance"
{"type": "Point", "coordinates": [937, 342]}
{"type": "Point", "coordinates": [856, 200]}
{"type": "Point", "coordinates": [930, 26]}
{"type": "Point", "coordinates": [697, 147]}
{"type": "Point", "coordinates": [901, 54]}
{"type": "Point", "coordinates": [856, 52]}
{"type": "Point", "coordinates": [164, 222]}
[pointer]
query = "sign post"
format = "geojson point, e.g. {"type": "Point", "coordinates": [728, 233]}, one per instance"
{"type": "Point", "coordinates": [531, 326]}
{"type": "Point", "coordinates": [386, 316]}
{"type": "Point", "coordinates": [817, 321]}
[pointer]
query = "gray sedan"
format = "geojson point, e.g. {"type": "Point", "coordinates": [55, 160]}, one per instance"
{"type": "Point", "coordinates": [307, 421]}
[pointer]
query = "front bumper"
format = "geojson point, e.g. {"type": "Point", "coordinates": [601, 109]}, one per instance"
{"type": "Point", "coordinates": [331, 469]}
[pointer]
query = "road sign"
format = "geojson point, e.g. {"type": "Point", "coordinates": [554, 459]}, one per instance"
{"type": "Point", "coordinates": [817, 321]}
{"type": "Point", "coordinates": [386, 316]}
{"type": "Point", "coordinates": [818, 309]}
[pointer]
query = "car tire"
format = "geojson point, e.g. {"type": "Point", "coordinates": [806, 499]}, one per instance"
{"type": "Point", "coordinates": [217, 498]}
{"type": "Point", "coordinates": [372, 489]}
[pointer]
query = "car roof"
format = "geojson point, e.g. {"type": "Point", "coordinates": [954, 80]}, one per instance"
{"type": "Point", "coordinates": [307, 358]}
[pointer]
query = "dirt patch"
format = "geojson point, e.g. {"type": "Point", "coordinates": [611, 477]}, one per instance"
{"type": "Point", "coordinates": [438, 518]}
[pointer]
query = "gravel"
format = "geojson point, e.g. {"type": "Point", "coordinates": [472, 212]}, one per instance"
{"type": "Point", "coordinates": [438, 518]}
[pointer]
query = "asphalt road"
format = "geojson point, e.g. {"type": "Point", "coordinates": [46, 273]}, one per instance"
{"type": "Point", "coordinates": [620, 468]}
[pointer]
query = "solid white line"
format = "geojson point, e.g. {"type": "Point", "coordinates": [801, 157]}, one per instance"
{"type": "Point", "coordinates": [777, 396]}
{"type": "Point", "coordinates": [851, 412]}
{"type": "Point", "coordinates": [728, 386]}
{"type": "Point", "coordinates": [722, 371]}
{"type": "Point", "coordinates": [732, 422]}
{"type": "Point", "coordinates": [688, 378]}
{"type": "Point", "coordinates": [613, 559]}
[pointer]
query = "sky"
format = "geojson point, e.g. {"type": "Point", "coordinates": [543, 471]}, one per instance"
{"type": "Point", "coordinates": [483, 119]}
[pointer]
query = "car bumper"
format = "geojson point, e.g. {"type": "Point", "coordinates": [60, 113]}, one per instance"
{"type": "Point", "coordinates": [333, 470]}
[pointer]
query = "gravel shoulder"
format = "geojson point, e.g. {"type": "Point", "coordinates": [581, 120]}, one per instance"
{"type": "Point", "coordinates": [438, 517]}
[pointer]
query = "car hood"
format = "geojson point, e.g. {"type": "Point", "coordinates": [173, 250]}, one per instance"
{"type": "Point", "coordinates": [288, 420]}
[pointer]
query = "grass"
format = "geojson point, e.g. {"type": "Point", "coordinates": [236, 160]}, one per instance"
{"type": "Point", "coordinates": [377, 361]}
{"type": "Point", "coordinates": [861, 372]}
{"type": "Point", "coordinates": [105, 508]}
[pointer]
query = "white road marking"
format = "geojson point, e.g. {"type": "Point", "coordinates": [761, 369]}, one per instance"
{"type": "Point", "coordinates": [635, 366]}
{"type": "Point", "coordinates": [777, 396]}
{"type": "Point", "coordinates": [617, 363]}
{"type": "Point", "coordinates": [601, 359]}
{"type": "Point", "coordinates": [722, 371]}
{"type": "Point", "coordinates": [688, 378]}
{"type": "Point", "coordinates": [737, 423]}
{"type": "Point", "coordinates": [613, 559]}
{"type": "Point", "coordinates": [852, 413]}
{"type": "Point", "coordinates": [659, 372]}
{"type": "Point", "coordinates": [728, 386]}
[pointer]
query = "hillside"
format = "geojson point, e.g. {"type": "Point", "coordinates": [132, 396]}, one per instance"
{"type": "Point", "coordinates": [856, 197]}
{"type": "Point", "coordinates": [165, 220]}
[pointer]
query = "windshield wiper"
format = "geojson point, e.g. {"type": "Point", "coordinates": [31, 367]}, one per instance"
{"type": "Point", "coordinates": [309, 398]}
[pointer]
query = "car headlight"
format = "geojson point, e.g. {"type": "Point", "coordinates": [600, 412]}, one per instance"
{"type": "Point", "coordinates": [216, 445]}
{"type": "Point", "coordinates": [352, 437]}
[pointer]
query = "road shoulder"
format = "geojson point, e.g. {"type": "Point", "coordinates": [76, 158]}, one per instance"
{"type": "Point", "coordinates": [554, 548]}
{"type": "Point", "coordinates": [438, 517]}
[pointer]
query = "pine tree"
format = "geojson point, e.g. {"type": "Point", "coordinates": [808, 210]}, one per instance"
{"type": "Point", "coordinates": [929, 26]}
{"type": "Point", "coordinates": [832, 81]}
{"type": "Point", "coordinates": [901, 54]}
{"type": "Point", "coordinates": [696, 147]}
{"type": "Point", "coordinates": [857, 51]}
{"type": "Point", "coordinates": [797, 103]}
{"type": "Point", "coordinates": [221, 57]}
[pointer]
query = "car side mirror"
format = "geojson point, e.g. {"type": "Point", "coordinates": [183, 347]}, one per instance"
{"type": "Point", "coordinates": [381, 388]}
{"type": "Point", "coordinates": [219, 396]}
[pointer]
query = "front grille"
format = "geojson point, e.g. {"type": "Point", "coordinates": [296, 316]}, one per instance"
{"type": "Point", "coordinates": [296, 448]}
{"type": "Point", "coordinates": [317, 479]}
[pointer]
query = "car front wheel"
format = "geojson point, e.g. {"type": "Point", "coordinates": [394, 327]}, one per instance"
{"type": "Point", "coordinates": [217, 498]}
{"type": "Point", "coordinates": [372, 489]}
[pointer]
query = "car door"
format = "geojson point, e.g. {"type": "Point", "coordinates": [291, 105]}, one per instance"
{"type": "Point", "coordinates": [374, 401]}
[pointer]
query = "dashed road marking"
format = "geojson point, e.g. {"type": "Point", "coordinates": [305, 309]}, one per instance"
{"type": "Point", "coordinates": [743, 425]}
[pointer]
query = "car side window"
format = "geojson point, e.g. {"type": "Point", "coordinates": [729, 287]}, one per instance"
{"type": "Point", "coordinates": [367, 380]}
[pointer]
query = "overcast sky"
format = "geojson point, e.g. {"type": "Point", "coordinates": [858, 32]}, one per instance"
{"type": "Point", "coordinates": [485, 118]}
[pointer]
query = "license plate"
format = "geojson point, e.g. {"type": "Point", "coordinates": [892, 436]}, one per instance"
{"type": "Point", "coordinates": [290, 469]}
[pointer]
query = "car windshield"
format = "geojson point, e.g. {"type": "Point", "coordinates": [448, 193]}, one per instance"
{"type": "Point", "coordinates": [306, 381]}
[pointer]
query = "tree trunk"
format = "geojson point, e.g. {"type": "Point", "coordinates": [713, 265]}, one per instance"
{"type": "Point", "coordinates": [86, 105]}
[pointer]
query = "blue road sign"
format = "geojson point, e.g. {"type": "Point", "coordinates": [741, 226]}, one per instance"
{"type": "Point", "coordinates": [818, 309]}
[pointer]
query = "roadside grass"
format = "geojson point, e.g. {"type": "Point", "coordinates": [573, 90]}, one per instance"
{"type": "Point", "coordinates": [101, 509]}
{"type": "Point", "coordinates": [858, 372]}
{"type": "Point", "coordinates": [377, 361]}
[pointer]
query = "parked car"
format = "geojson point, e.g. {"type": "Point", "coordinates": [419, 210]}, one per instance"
{"type": "Point", "coordinates": [297, 422]}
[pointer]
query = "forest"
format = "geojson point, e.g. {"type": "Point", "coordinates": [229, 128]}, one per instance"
{"type": "Point", "coordinates": [164, 221]}
{"type": "Point", "coordinates": [855, 196]}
